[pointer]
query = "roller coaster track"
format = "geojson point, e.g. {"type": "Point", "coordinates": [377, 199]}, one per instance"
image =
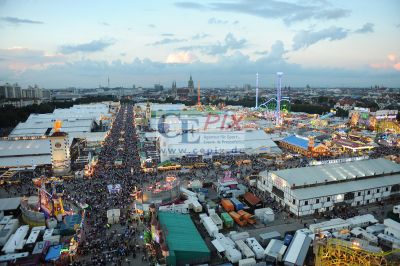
{"type": "Point", "coordinates": [335, 252]}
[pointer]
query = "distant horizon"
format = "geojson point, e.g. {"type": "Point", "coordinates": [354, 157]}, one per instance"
{"type": "Point", "coordinates": [226, 87]}
{"type": "Point", "coordinates": [324, 43]}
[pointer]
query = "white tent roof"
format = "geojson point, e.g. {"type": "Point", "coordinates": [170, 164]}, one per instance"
{"type": "Point", "coordinates": [24, 162]}
{"type": "Point", "coordinates": [337, 172]}
{"type": "Point", "coordinates": [24, 147]}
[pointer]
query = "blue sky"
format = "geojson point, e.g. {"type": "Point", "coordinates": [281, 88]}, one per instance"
{"type": "Point", "coordinates": [58, 44]}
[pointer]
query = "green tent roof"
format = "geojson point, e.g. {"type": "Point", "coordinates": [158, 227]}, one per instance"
{"type": "Point", "coordinates": [181, 233]}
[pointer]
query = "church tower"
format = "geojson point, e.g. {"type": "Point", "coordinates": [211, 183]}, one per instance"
{"type": "Point", "coordinates": [191, 85]}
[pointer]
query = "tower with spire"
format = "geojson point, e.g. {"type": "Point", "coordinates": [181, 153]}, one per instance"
{"type": "Point", "coordinates": [191, 85]}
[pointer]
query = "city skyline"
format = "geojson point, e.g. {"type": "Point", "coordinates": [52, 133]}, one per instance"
{"type": "Point", "coordinates": [321, 43]}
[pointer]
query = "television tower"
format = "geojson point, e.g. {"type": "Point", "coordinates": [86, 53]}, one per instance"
{"type": "Point", "coordinates": [257, 90]}
{"type": "Point", "coordinates": [278, 99]}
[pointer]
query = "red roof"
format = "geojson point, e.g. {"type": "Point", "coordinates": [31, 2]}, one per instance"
{"type": "Point", "coordinates": [251, 198]}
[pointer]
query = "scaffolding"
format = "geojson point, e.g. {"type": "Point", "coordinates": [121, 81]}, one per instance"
{"type": "Point", "coordinates": [335, 252]}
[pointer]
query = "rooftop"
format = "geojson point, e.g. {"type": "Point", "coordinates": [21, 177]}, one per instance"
{"type": "Point", "coordinates": [180, 232]}
{"type": "Point", "coordinates": [7, 204]}
{"type": "Point", "coordinates": [337, 172]}
{"type": "Point", "coordinates": [297, 141]}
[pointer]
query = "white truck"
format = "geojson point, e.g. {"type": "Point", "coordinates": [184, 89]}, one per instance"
{"type": "Point", "coordinates": [210, 226]}
{"type": "Point", "coordinates": [247, 262]}
{"type": "Point", "coordinates": [255, 247]}
{"type": "Point", "coordinates": [216, 219]}
{"type": "Point", "coordinates": [246, 251]}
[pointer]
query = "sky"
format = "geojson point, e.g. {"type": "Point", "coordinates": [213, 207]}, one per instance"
{"type": "Point", "coordinates": [58, 44]}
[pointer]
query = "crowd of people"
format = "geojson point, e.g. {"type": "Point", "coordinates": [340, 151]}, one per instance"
{"type": "Point", "coordinates": [104, 243]}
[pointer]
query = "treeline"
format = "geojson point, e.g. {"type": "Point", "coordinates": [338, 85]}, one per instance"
{"type": "Point", "coordinates": [10, 116]}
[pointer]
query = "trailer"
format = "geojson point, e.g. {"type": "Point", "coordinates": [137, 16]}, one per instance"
{"type": "Point", "coordinates": [239, 219]}
{"type": "Point", "coordinates": [246, 251]}
{"type": "Point", "coordinates": [247, 216]}
{"type": "Point", "coordinates": [363, 234]}
{"type": "Point", "coordinates": [238, 205]}
{"type": "Point", "coordinates": [297, 250]}
{"type": "Point", "coordinates": [362, 220]}
{"type": "Point", "coordinates": [211, 228]}
{"type": "Point", "coordinates": [247, 262]}
{"type": "Point", "coordinates": [219, 247]}
{"type": "Point", "coordinates": [188, 193]}
{"type": "Point", "coordinates": [389, 241]}
{"type": "Point", "coordinates": [275, 251]}
{"type": "Point", "coordinates": [9, 228]}
{"type": "Point", "coordinates": [210, 206]}
{"type": "Point", "coordinates": [256, 247]}
{"type": "Point", "coordinates": [217, 221]}
{"type": "Point", "coordinates": [238, 235]}
{"type": "Point", "coordinates": [259, 213]}
{"type": "Point", "coordinates": [17, 240]}
{"type": "Point", "coordinates": [33, 236]}
{"type": "Point", "coordinates": [227, 205]}
{"type": "Point", "coordinates": [175, 208]}
{"type": "Point", "coordinates": [265, 238]}
{"type": "Point", "coordinates": [13, 257]}
{"type": "Point", "coordinates": [331, 225]}
{"type": "Point", "coordinates": [376, 229]}
{"type": "Point", "coordinates": [47, 234]}
{"type": "Point", "coordinates": [227, 220]}
{"type": "Point", "coordinates": [231, 253]}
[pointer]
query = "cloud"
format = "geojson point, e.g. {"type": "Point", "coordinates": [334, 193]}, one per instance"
{"type": "Point", "coordinates": [367, 28]}
{"type": "Point", "coordinates": [273, 9]}
{"type": "Point", "coordinates": [231, 69]}
{"type": "Point", "coordinates": [181, 58]}
{"type": "Point", "coordinates": [18, 21]}
{"type": "Point", "coordinates": [303, 39]}
{"type": "Point", "coordinates": [277, 52]}
{"type": "Point", "coordinates": [261, 52]}
{"type": "Point", "coordinates": [90, 47]}
{"type": "Point", "coordinates": [392, 57]}
{"type": "Point", "coordinates": [200, 36]}
{"type": "Point", "coordinates": [230, 43]}
{"type": "Point", "coordinates": [20, 59]}
{"type": "Point", "coordinates": [217, 21]}
{"type": "Point", "coordinates": [192, 5]}
{"type": "Point", "coordinates": [104, 23]}
{"type": "Point", "coordinates": [151, 26]}
{"type": "Point", "coordinates": [392, 62]}
{"type": "Point", "coordinates": [167, 41]}
{"type": "Point", "coordinates": [235, 22]}
{"type": "Point", "coordinates": [167, 34]}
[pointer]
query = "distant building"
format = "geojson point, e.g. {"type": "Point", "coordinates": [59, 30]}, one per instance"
{"type": "Point", "coordinates": [191, 86]}
{"type": "Point", "coordinates": [10, 91]}
{"type": "Point", "coordinates": [158, 87]}
{"type": "Point", "coordinates": [305, 146]}
{"type": "Point", "coordinates": [345, 104]}
{"type": "Point", "coordinates": [182, 93]}
{"type": "Point", "coordinates": [317, 189]}
{"type": "Point", "coordinates": [34, 93]}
